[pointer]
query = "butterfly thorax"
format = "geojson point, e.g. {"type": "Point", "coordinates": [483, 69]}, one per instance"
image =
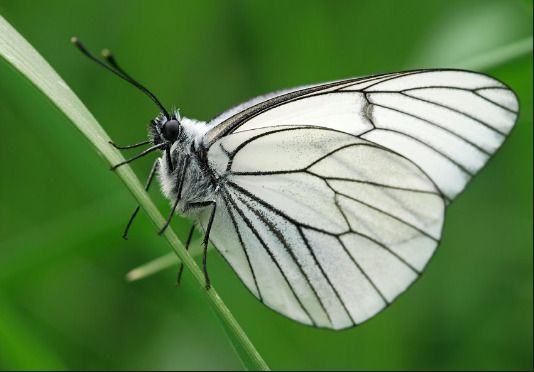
{"type": "Point", "coordinates": [196, 182]}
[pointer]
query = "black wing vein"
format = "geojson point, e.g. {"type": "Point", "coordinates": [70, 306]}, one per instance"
{"type": "Point", "coordinates": [242, 244]}
{"type": "Point", "coordinates": [280, 236]}
{"type": "Point", "coordinates": [281, 214]}
{"type": "Point", "coordinates": [260, 239]}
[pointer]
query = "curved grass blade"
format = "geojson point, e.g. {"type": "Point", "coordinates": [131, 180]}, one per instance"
{"type": "Point", "coordinates": [152, 267]}
{"type": "Point", "coordinates": [163, 262]}
{"type": "Point", "coordinates": [20, 55]}
{"type": "Point", "coordinates": [498, 56]}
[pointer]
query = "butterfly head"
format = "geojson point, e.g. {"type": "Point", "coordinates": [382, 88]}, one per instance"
{"type": "Point", "coordinates": [165, 129]}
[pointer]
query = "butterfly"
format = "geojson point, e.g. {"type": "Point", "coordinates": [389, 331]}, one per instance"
{"type": "Point", "coordinates": [328, 201]}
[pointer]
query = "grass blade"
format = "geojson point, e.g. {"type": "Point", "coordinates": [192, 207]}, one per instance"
{"type": "Point", "coordinates": [163, 262]}
{"type": "Point", "coordinates": [498, 56]}
{"type": "Point", "coordinates": [153, 267]}
{"type": "Point", "coordinates": [19, 54]}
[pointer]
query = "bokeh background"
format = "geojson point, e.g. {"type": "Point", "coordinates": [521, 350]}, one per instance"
{"type": "Point", "coordinates": [64, 302]}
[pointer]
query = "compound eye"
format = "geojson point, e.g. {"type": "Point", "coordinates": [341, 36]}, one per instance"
{"type": "Point", "coordinates": [171, 130]}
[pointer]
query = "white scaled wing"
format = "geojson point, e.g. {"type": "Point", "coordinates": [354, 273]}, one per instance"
{"type": "Point", "coordinates": [448, 122]}
{"type": "Point", "coordinates": [322, 226]}
{"type": "Point", "coordinates": [332, 197]}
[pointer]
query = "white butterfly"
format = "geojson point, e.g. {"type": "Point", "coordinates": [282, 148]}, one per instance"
{"type": "Point", "coordinates": [328, 201]}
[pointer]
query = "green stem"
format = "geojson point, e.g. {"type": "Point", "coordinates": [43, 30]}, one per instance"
{"type": "Point", "coordinates": [498, 56]}
{"type": "Point", "coordinates": [163, 262]}
{"type": "Point", "coordinates": [153, 267]}
{"type": "Point", "coordinates": [20, 55]}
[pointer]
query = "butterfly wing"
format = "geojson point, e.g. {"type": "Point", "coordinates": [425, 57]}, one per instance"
{"type": "Point", "coordinates": [322, 226]}
{"type": "Point", "coordinates": [448, 122]}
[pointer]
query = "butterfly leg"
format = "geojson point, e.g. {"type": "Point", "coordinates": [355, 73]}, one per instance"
{"type": "Point", "coordinates": [188, 242]}
{"type": "Point", "coordinates": [147, 186]}
{"type": "Point", "coordinates": [148, 151]}
{"type": "Point", "coordinates": [207, 236]}
{"type": "Point", "coordinates": [129, 147]}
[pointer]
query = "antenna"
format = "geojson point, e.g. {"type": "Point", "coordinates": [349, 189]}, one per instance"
{"type": "Point", "coordinates": [121, 74]}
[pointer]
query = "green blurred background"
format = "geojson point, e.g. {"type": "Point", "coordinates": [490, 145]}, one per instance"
{"type": "Point", "coordinates": [64, 302]}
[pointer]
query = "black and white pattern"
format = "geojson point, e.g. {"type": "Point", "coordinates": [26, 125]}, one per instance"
{"type": "Point", "coordinates": [331, 199]}
{"type": "Point", "coordinates": [326, 228]}
{"type": "Point", "coordinates": [448, 122]}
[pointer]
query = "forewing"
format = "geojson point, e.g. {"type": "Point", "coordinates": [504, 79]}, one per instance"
{"type": "Point", "coordinates": [322, 226]}
{"type": "Point", "coordinates": [448, 122]}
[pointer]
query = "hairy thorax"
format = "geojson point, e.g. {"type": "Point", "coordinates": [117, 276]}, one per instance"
{"type": "Point", "coordinates": [199, 185]}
